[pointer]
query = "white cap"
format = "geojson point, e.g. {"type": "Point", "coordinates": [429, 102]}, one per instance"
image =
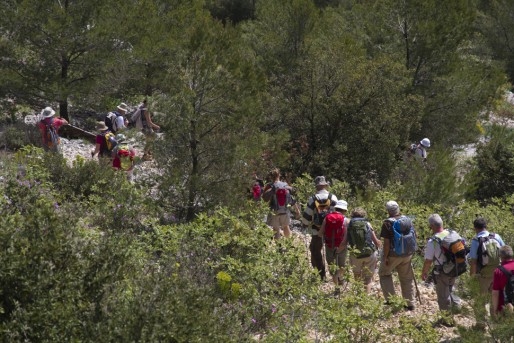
{"type": "Point", "coordinates": [392, 207]}
{"type": "Point", "coordinates": [425, 142]}
{"type": "Point", "coordinates": [341, 204]}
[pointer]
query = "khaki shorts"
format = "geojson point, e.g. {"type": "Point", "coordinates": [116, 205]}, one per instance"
{"type": "Point", "coordinates": [364, 267]}
{"type": "Point", "coordinates": [279, 220]}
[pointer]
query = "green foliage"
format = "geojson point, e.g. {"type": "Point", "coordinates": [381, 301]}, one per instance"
{"type": "Point", "coordinates": [432, 182]}
{"type": "Point", "coordinates": [494, 166]}
{"type": "Point", "coordinates": [13, 138]}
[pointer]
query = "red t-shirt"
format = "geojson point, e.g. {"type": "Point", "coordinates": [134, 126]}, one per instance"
{"type": "Point", "coordinates": [500, 281]}
{"type": "Point", "coordinates": [56, 122]}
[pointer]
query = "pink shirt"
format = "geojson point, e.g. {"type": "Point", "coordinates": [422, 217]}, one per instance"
{"type": "Point", "coordinates": [500, 281]}
{"type": "Point", "coordinates": [57, 123]}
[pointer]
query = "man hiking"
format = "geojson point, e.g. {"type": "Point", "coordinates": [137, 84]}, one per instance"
{"type": "Point", "coordinates": [434, 255]}
{"type": "Point", "coordinates": [363, 245]}
{"type": "Point", "coordinates": [278, 194]}
{"type": "Point", "coordinates": [333, 232]}
{"type": "Point", "coordinates": [503, 283]}
{"type": "Point", "coordinates": [318, 206]}
{"type": "Point", "coordinates": [396, 257]}
{"type": "Point", "coordinates": [483, 246]}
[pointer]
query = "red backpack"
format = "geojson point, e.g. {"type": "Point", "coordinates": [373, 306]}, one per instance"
{"type": "Point", "coordinates": [281, 197]}
{"type": "Point", "coordinates": [256, 191]}
{"type": "Point", "coordinates": [334, 229]}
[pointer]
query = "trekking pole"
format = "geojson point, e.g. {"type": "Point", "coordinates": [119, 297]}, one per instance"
{"type": "Point", "coordinates": [418, 294]}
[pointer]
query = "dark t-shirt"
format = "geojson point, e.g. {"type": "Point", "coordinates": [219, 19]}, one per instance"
{"type": "Point", "coordinates": [387, 228]}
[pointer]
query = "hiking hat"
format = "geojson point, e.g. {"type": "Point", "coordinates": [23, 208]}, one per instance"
{"type": "Point", "coordinates": [47, 112]}
{"type": "Point", "coordinates": [425, 142]}
{"type": "Point", "coordinates": [392, 207]}
{"type": "Point", "coordinates": [122, 107]}
{"type": "Point", "coordinates": [320, 181]}
{"type": "Point", "coordinates": [120, 137]}
{"type": "Point", "coordinates": [341, 205]}
{"type": "Point", "coordinates": [100, 126]}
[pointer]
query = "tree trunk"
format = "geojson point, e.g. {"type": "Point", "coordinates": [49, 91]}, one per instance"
{"type": "Point", "coordinates": [63, 101]}
{"type": "Point", "coordinates": [193, 146]}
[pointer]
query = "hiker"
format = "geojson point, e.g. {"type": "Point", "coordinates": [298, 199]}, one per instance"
{"type": "Point", "coordinates": [502, 294]}
{"type": "Point", "coordinates": [392, 260]}
{"type": "Point", "coordinates": [49, 128]}
{"type": "Point", "coordinates": [257, 189]}
{"type": "Point", "coordinates": [333, 232]}
{"type": "Point", "coordinates": [434, 255]}
{"type": "Point", "coordinates": [420, 150]}
{"type": "Point", "coordinates": [148, 125]}
{"type": "Point", "coordinates": [363, 245]}
{"type": "Point", "coordinates": [102, 149]}
{"type": "Point", "coordinates": [116, 120]}
{"type": "Point", "coordinates": [318, 206]}
{"type": "Point", "coordinates": [123, 156]}
{"type": "Point", "coordinates": [143, 121]}
{"type": "Point", "coordinates": [278, 194]}
{"type": "Point", "coordinates": [483, 263]}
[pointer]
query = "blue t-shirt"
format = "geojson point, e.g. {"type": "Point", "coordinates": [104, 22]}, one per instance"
{"type": "Point", "coordinates": [473, 252]}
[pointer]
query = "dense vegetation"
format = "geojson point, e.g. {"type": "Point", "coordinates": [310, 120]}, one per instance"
{"type": "Point", "coordinates": [337, 87]}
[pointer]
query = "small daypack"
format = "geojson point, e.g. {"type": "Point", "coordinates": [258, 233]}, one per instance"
{"type": "Point", "coordinates": [110, 121]}
{"type": "Point", "coordinates": [52, 139]}
{"type": "Point", "coordinates": [488, 253]}
{"type": "Point", "coordinates": [509, 287]}
{"type": "Point", "coordinates": [110, 141]}
{"type": "Point", "coordinates": [334, 229]}
{"type": "Point", "coordinates": [281, 197]}
{"type": "Point", "coordinates": [404, 236]}
{"type": "Point", "coordinates": [359, 238]}
{"type": "Point", "coordinates": [256, 191]}
{"type": "Point", "coordinates": [453, 248]}
{"type": "Point", "coordinates": [321, 209]}
{"type": "Point", "coordinates": [123, 153]}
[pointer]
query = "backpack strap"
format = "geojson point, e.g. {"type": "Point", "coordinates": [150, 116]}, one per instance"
{"type": "Point", "coordinates": [505, 271]}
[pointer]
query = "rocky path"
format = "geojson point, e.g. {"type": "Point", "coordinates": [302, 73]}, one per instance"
{"type": "Point", "coordinates": [427, 309]}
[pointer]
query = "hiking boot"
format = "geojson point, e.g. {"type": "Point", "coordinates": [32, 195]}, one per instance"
{"type": "Point", "coordinates": [410, 307]}
{"type": "Point", "coordinates": [337, 291]}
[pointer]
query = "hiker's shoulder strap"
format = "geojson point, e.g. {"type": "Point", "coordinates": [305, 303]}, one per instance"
{"type": "Point", "coordinates": [504, 270]}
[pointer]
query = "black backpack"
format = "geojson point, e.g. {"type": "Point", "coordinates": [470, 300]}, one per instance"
{"type": "Point", "coordinates": [509, 288]}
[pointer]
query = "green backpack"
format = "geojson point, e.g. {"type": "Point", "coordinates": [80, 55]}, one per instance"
{"type": "Point", "coordinates": [359, 238]}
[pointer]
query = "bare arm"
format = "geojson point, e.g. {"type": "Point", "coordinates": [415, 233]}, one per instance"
{"type": "Point", "coordinates": [97, 150]}
{"type": "Point", "coordinates": [495, 300]}
{"type": "Point", "coordinates": [150, 122]}
{"type": "Point", "coordinates": [374, 238]}
{"type": "Point", "coordinates": [473, 269]}
{"type": "Point", "coordinates": [426, 268]}
{"type": "Point", "coordinates": [387, 247]}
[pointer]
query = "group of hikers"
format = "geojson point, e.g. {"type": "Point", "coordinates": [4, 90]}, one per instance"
{"type": "Point", "coordinates": [111, 145]}
{"type": "Point", "coordinates": [335, 236]}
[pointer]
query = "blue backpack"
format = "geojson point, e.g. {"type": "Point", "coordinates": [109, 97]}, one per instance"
{"type": "Point", "coordinates": [404, 236]}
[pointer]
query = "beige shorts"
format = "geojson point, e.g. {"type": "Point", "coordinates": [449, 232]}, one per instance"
{"type": "Point", "coordinates": [364, 267]}
{"type": "Point", "coordinates": [279, 220]}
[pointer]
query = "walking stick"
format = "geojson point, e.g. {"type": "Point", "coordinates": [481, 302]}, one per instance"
{"type": "Point", "coordinates": [418, 294]}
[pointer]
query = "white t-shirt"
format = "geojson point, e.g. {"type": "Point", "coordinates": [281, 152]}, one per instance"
{"type": "Point", "coordinates": [433, 249]}
{"type": "Point", "coordinates": [421, 151]}
{"type": "Point", "coordinates": [120, 123]}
